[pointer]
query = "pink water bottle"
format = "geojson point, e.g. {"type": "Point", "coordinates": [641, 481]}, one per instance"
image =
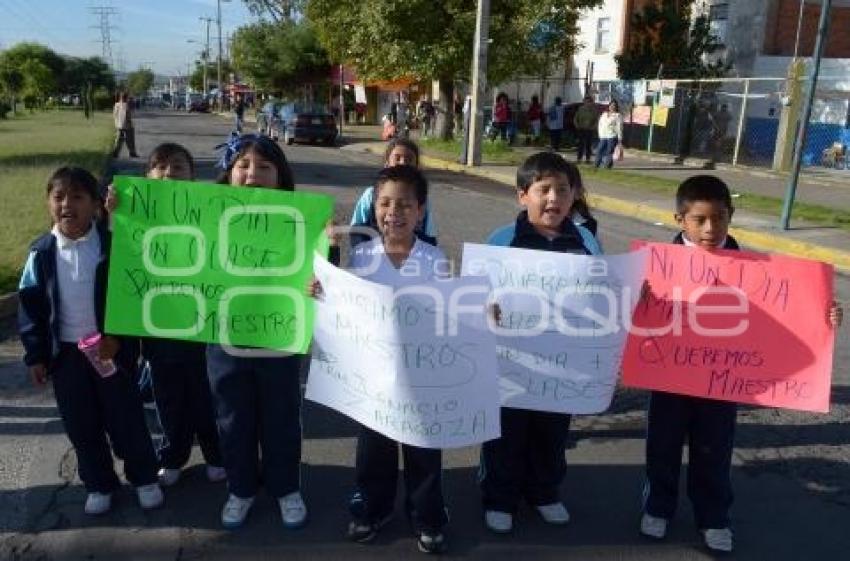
{"type": "Point", "coordinates": [89, 346]}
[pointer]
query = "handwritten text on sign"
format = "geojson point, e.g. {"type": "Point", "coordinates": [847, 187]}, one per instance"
{"type": "Point", "coordinates": [735, 326]}
{"type": "Point", "coordinates": [417, 365]}
{"type": "Point", "coordinates": [563, 323]}
{"type": "Point", "coordinates": [213, 263]}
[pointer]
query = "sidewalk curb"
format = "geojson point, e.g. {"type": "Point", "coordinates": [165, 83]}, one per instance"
{"type": "Point", "coordinates": [647, 213]}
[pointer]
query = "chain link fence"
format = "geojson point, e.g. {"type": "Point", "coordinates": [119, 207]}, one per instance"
{"type": "Point", "coordinates": [733, 121]}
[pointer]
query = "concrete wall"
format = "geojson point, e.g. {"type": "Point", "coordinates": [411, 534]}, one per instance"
{"type": "Point", "coordinates": [604, 66]}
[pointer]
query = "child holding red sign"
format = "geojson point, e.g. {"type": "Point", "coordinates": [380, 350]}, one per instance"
{"type": "Point", "coordinates": [703, 211]}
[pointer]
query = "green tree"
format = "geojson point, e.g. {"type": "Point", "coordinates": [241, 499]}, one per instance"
{"type": "Point", "coordinates": [279, 56]}
{"type": "Point", "coordinates": [39, 83]}
{"type": "Point", "coordinates": [277, 10]}
{"type": "Point", "coordinates": [38, 66]}
{"type": "Point", "coordinates": [139, 82]}
{"type": "Point", "coordinates": [667, 34]}
{"type": "Point", "coordinates": [18, 54]}
{"type": "Point", "coordinates": [82, 71]}
{"type": "Point", "coordinates": [12, 82]}
{"type": "Point", "coordinates": [432, 39]}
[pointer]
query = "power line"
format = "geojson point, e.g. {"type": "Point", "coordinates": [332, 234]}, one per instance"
{"type": "Point", "coordinates": [20, 13]}
{"type": "Point", "coordinates": [103, 13]}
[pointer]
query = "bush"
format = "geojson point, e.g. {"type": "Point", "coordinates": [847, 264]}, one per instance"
{"type": "Point", "coordinates": [102, 99]}
{"type": "Point", "coordinates": [30, 101]}
{"type": "Point", "coordinates": [4, 109]}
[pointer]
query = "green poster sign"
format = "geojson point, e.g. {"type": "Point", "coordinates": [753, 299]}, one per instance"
{"type": "Point", "coordinates": [214, 263]}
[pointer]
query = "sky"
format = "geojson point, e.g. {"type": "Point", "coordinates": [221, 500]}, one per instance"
{"type": "Point", "coordinates": [145, 33]}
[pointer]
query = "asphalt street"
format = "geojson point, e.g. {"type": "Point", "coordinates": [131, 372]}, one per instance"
{"type": "Point", "coordinates": [791, 469]}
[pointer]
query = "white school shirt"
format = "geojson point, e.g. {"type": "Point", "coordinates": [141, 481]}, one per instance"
{"type": "Point", "coordinates": [76, 262]}
{"type": "Point", "coordinates": [425, 263]}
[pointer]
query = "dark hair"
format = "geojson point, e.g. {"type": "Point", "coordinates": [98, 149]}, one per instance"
{"type": "Point", "coordinates": [588, 98]}
{"type": "Point", "coordinates": [168, 150]}
{"type": "Point", "coordinates": [408, 175]}
{"type": "Point", "coordinates": [702, 188]}
{"type": "Point", "coordinates": [403, 142]}
{"type": "Point", "coordinates": [545, 164]}
{"type": "Point", "coordinates": [615, 104]}
{"type": "Point", "coordinates": [77, 179]}
{"type": "Point", "coordinates": [269, 150]}
{"type": "Point", "coordinates": [558, 100]}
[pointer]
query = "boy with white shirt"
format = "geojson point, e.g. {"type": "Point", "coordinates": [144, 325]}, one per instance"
{"type": "Point", "coordinates": [397, 258]}
{"type": "Point", "coordinates": [62, 297]}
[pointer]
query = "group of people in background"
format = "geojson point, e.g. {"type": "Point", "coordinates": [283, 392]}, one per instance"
{"type": "Point", "coordinates": [245, 410]}
{"type": "Point", "coordinates": [593, 127]}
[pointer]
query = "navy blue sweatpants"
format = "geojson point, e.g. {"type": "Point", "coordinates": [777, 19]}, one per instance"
{"type": "Point", "coordinates": [183, 401]}
{"type": "Point", "coordinates": [527, 461]}
{"type": "Point", "coordinates": [709, 427]}
{"type": "Point", "coordinates": [258, 411]}
{"type": "Point", "coordinates": [93, 408]}
{"type": "Point", "coordinates": [377, 479]}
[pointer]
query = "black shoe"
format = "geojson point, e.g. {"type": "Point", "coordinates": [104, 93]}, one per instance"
{"type": "Point", "coordinates": [432, 542]}
{"type": "Point", "coordinates": [365, 532]}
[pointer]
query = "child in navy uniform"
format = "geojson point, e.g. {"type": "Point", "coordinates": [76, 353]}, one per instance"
{"type": "Point", "coordinates": [703, 212]}
{"type": "Point", "coordinates": [257, 399]}
{"type": "Point", "coordinates": [528, 461]}
{"type": "Point", "coordinates": [62, 301]}
{"type": "Point", "coordinates": [179, 368]}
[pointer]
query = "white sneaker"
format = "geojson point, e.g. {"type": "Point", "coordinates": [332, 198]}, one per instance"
{"type": "Point", "coordinates": [653, 527]}
{"type": "Point", "coordinates": [555, 513]}
{"type": "Point", "coordinates": [168, 476]}
{"type": "Point", "coordinates": [150, 496]}
{"type": "Point", "coordinates": [718, 539]}
{"type": "Point", "coordinates": [98, 503]}
{"type": "Point", "coordinates": [216, 473]}
{"type": "Point", "coordinates": [235, 511]}
{"type": "Point", "coordinates": [498, 521]}
{"type": "Point", "coordinates": [293, 510]}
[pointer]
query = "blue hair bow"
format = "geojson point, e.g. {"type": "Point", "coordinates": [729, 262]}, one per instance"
{"type": "Point", "coordinates": [229, 150]}
{"type": "Point", "coordinates": [234, 145]}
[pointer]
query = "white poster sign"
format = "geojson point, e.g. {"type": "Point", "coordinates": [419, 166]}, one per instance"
{"type": "Point", "coordinates": [359, 93]}
{"type": "Point", "coordinates": [417, 364]}
{"type": "Point", "coordinates": [563, 323]}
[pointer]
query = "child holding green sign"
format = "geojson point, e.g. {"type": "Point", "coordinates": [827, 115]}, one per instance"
{"type": "Point", "coordinates": [179, 368]}
{"type": "Point", "coordinates": [257, 396]}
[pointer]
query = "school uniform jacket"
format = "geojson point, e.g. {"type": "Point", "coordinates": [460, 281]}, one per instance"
{"type": "Point", "coordinates": [38, 303]}
{"type": "Point", "coordinates": [574, 238]}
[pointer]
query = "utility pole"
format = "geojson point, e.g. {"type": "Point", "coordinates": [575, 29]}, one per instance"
{"type": "Point", "coordinates": [103, 13]}
{"type": "Point", "coordinates": [206, 56]}
{"type": "Point", "coordinates": [803, 128]}
{"type": "Point", "coordinates": [341, 98]}
{"type": "Point", "coordinates": [220, 82]}
{"type": "Point", "coordinates": [479, 83]}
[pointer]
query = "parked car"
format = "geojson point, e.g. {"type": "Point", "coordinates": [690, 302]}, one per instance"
{"type": "Point", "coordinates": [197, 103]}
{"type": "Point", "coordinates": [306, 122]}
{"type": "Point", "coordinates": [268, 119]}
